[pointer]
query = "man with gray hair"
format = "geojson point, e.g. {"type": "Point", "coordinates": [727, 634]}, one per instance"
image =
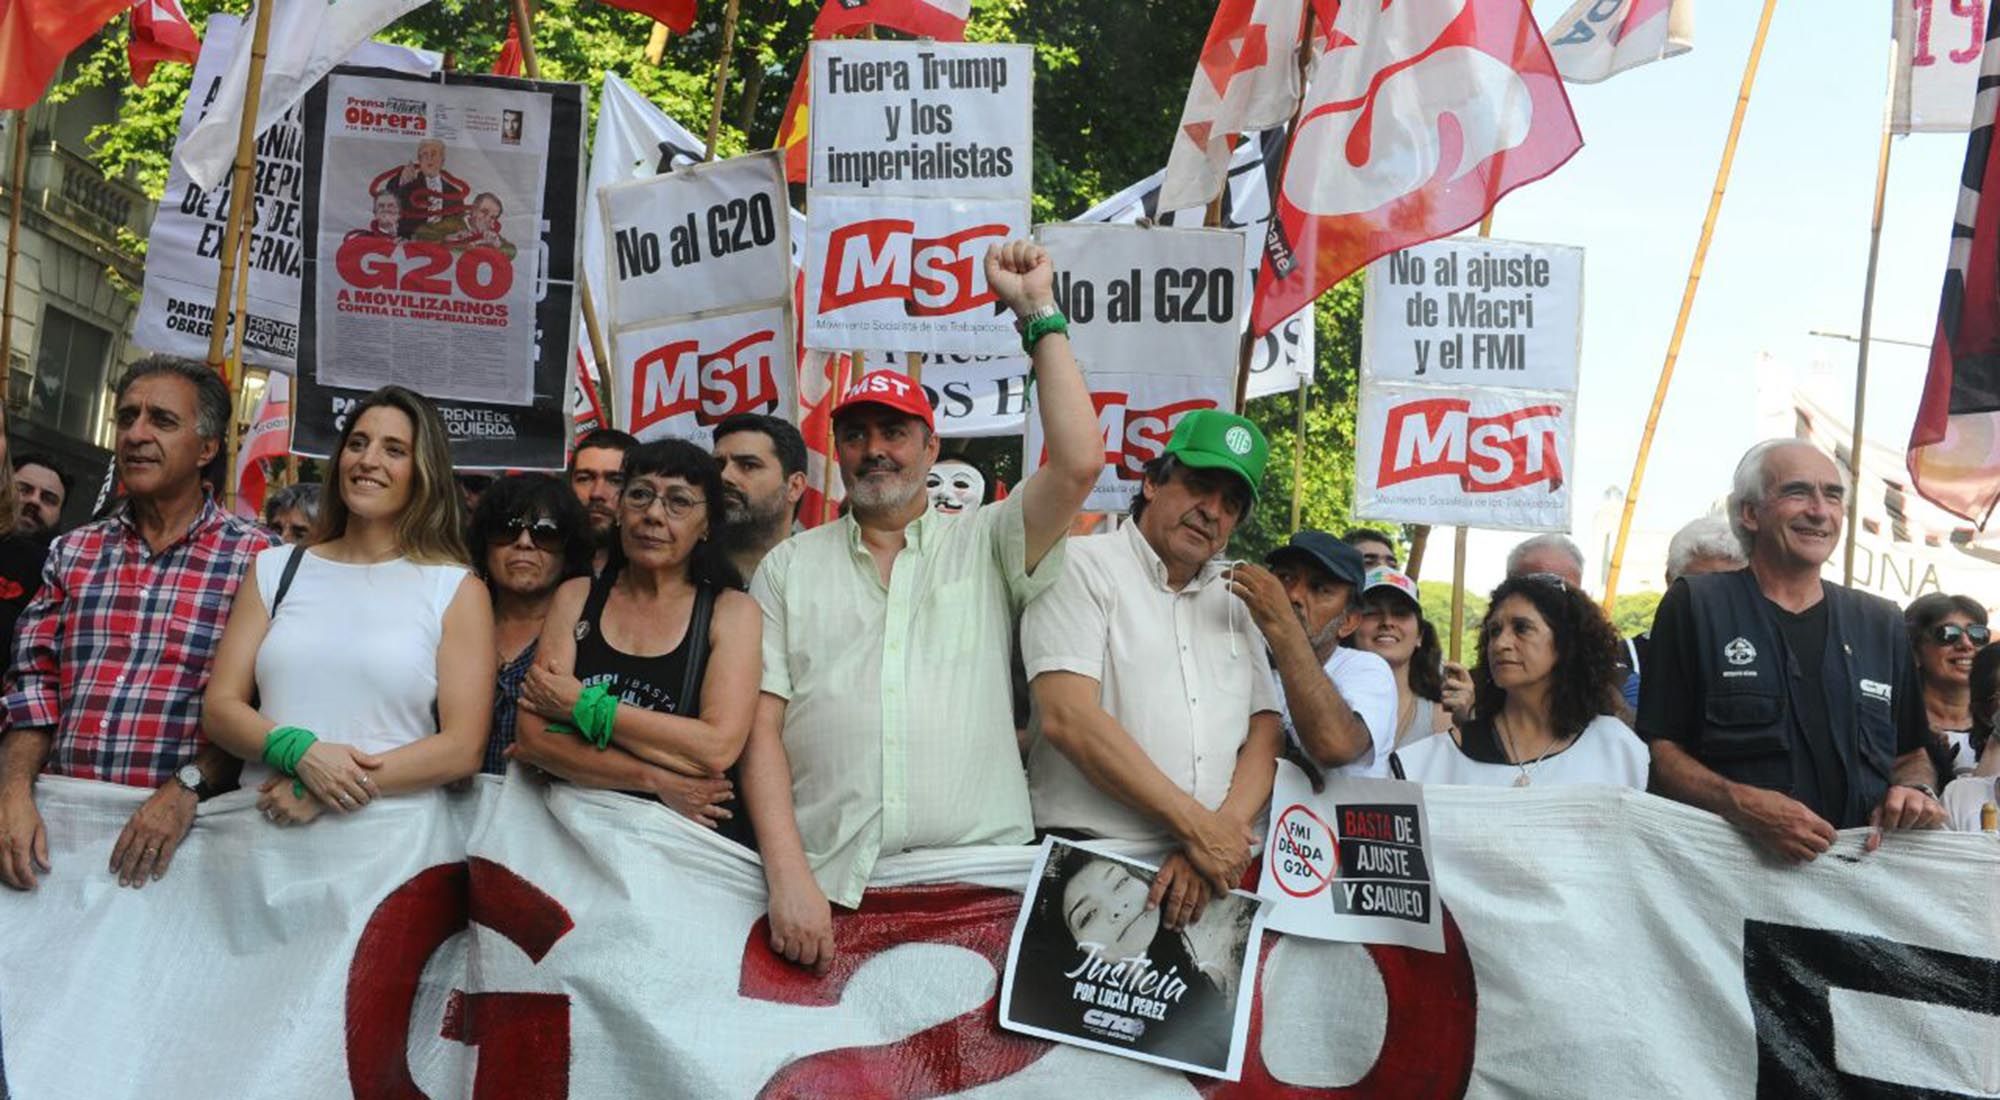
{"type": "Point", "coordinates": [291, 511]}
{"type": "Point", "coordinates": [1552, 554]}
{"type": "Point", "coordinates": [1785, 704]}
{"type": "Point", "coordinates": [113, 654]}
{"type": "Point", "coordinates": [1706, 545]}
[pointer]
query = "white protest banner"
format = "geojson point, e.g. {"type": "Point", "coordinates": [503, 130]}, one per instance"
{"type": "Point", "coordinates": [183, 249]}
{"type": "Point", "coordinates": [1091, 965]}
{"type": "Point", "coordinates": [706, 237]}
{"type": "Point", "coordinates": [1349, 862]}
{"type": "Point", "coordinates": [680, 378]}
{"type": "Point", "coordinates": [1154, 318]}
{"type": "Point", "coordinates": [1469, 351]}
{"type": "Point", "coordinates": [534, 941]}
{"type": "Point", "coordinates": [441, 226]}
{"type": "Point", "coordinates": [1938, 46]}
{"type": "Point", "coordinates": [920, 160]}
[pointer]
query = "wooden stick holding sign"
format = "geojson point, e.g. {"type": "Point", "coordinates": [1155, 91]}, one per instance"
{"type": "Point", "coordinates": [241, 201]}
{"type": "Point", "coordinates": [16, 186]}
{"type": "Point", "coordinates": [721, 79]}
{"type": "Point", "coordinates": [1458, 537]}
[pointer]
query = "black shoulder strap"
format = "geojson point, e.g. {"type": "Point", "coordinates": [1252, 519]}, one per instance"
{"type": "Point", "coordinates": [600, 591]}
{"type": "Point", "coordinates": [285, 579]}
{"type": "Point", "coordinates": [697, 656]}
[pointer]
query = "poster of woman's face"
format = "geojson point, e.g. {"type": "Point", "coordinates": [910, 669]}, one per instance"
{"type": "Point", "coordinates": [1093, 965]}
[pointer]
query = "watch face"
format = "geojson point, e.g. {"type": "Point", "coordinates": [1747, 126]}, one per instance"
{"type": "Point", "coordinates": [190, 777]}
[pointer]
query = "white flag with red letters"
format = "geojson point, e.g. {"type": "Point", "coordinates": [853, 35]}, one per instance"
{"type": "Point", "coordinates": [1247, 79]}
{"type": "Point", "coordinates": [1597, 39]}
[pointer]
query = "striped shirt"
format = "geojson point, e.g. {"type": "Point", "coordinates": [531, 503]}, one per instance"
{"type": "Point", "coordinates": [113, 654]}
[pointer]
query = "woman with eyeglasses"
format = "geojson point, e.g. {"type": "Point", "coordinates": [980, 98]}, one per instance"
{"type": "Point", "coordinates": [646, 675]}
{"type": "Point", "coordinates": [1547, 660]}
{"type": "Point", "coordinates": [1965, 796]}
{"type": "Point", "coordinates": [356, 664]}
{"type": "Point", "coordinates": [529, 531]}
{"type": "Point", "coordinates": [1945, 632]}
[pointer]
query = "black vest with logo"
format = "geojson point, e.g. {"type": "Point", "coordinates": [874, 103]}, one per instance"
{"type": "Point", "coordinates": [1746, 676]}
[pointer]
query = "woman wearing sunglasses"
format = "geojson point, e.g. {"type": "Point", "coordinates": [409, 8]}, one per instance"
{"type": "Point", "coordinates": [1965, 797]}
{"type": "Point", "coordinates": [1945, 632]}
{"type": "Point", "coordinates": [645, 676]}
{"type": "Point", "coordinates": [530, 533]}
{"type": "Point", "coordinates": [1547, 662]}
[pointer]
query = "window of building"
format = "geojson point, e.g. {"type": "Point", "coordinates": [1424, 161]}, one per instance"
{"type": "Point", "coordinates": [68, 390]}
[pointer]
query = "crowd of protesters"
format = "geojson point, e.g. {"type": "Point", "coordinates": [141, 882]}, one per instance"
{"type": "Point", "coordinates": [651, 625]}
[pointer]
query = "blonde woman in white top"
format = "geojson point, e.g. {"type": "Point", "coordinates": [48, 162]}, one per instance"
{"type": "Point", "coordinates": [375, 675]}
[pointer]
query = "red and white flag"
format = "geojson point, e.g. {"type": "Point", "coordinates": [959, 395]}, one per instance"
{"type": "Point", "coordinates": [1954, 455]}
{"type": "Point", "coordinates": [1247, 79]}
{"type": "Point", "coordinates": [943, 20]}
{"type": "Point", "coordinates": [1420, 114]}
{"type": "Point", "coordinates": [270, 437]}
{"type": "Point", "coordinates": [160, 32]}
{"type": "Point", "coordinates": [1596, 39]}
{"type": "Point", "coordinates": [822, 376]}
{"type": "Point", "coordinates": [35, 36]}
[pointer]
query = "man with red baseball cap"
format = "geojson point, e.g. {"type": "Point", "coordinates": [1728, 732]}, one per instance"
{"type": "Point", "coordinates": [886, 719]}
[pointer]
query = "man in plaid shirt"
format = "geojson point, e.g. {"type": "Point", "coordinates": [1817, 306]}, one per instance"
{"type": "Point", "coordinates": [112, 656]}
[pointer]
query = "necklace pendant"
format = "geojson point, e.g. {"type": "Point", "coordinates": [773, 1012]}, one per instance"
{"type": "Point", "coordinates": [1521, 780]}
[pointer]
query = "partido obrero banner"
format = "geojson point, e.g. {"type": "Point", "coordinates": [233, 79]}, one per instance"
{"type": "Point", "coordinates": [1154, 321]}
{"type": "Point", "coordinates": [921, 159]}
{"type": "Point", "coordinates": [184, 248]}
{"type": "Point", "coordinates": [441, 230]}
{"type": "Point", "coordinates": [458, 946]}
{"type": "Point", "coordinates": [701, 291]}
{"type": "Point", "coordinates": [1469, 352]}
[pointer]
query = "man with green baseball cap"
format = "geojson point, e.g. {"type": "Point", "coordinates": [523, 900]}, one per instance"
{"type": "Point", "coordinates": [1155, 718]}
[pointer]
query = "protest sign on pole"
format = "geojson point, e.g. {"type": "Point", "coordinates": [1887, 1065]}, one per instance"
{"type": "Point", "coordinates": [1091, 965]}
{"type": "Point", "coordinates": [1154, 317]}
{"type": "Point", "coordinates": [1469, 352]}
{"type": "Point", "coordinates": [1937, 65]}
{"type": "Point", "coordinates": [921, 159]}
{"type": "Point", "coordinates": [185, 243]}
{"type": "Point", "coordinates": [441, 232]}
{"type": "Point", "coordinates": [700, 283]}
{"type": "Point", "coordinates": [1351, 862]}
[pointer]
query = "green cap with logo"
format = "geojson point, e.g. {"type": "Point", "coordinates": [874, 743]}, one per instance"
{"type": "Point", "coordinates": [1210, 439]}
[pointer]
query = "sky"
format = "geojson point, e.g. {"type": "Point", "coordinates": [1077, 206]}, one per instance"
{"type": "Point", "coordinates": [1787, 259]}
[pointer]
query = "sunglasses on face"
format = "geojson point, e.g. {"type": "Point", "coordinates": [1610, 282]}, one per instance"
{"type": "Point", "coordinates": [545, 533]}
{"type": "Point", "coordinates": [1950, 633]}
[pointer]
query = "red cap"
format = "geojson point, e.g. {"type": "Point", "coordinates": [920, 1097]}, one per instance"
{"type": "Point", "coordinates": [889, 389]}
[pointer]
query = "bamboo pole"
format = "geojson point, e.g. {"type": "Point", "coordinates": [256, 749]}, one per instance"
{"type": "Point", "coordinates": [241, 201]}
{"type": "Point", "coordinates": [1215, 208]}
{"type": "Point", "coordinates": [656, 44]}
{"type": "Point", "coordinates": [1856, 450]}
{"type": "Point", "coordinates": [234, 374]}
{"type": "Point", "coordinates": [1687, 300]}
{"type": "Point", "coordinates": [721, 79]}
{"type": "Point", "coordinates": [1419, 540]}
{"type": "Point", "coordinates": [1457, 594]}
{"type": "Point", "coordinates": [1299, 455]}
{"type": "Point", "coordinates": [524, 19]}
{"type": "Point", "coordinates": [17, 185]}
{"type": "Point", "coordinates": [837, 384]}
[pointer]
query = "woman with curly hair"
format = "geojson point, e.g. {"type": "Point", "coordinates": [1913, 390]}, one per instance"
{"type": "Point", "coordinates": [1547, 661]}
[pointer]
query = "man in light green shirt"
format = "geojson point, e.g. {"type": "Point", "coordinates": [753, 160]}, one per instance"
{"type": "Point", "coordinates": [886, 721]}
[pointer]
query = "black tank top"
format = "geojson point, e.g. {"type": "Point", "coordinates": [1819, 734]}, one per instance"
{"type": "Point", "coordinates": [668, 684]}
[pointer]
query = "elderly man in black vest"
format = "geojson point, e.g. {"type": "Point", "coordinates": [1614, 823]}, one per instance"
{"type": "Point", "coordinates": [1786, 704]}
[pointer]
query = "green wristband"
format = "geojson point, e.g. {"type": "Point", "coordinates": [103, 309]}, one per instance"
{"type": "Point", "coordinates": [1033, 332]}
{"type": "Point", "coordinates": [285, 746]}
{"type": "Point", "coordinates": [595, 712]}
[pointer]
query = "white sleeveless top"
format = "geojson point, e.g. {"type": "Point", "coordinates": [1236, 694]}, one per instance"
{"type": "Point", "coordinates": [352, 654]}
{"type": "Point", "coordinates": [1607, 752]}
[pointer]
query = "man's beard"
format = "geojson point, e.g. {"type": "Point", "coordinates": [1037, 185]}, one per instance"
{"type": "Point", "coordinates": [29, 523]}
{"type": "Point", "coordinates": [874, 494]}
{"type": "Point", "coordinates": [744, 517]}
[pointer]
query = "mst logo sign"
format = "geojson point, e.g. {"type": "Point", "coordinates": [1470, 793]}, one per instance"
{"type": "Point", "coordinates": [884, 259]}
{"type": "Point", "coordinates": [1487, 454]}
{"type": "Point", "coordinates": [1134, 437]}
{"type": "Point", "coordinates": [680, 379]}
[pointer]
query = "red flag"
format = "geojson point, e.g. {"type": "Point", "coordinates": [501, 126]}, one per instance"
{"type": "Point", "coordinates": [509, 62]}
{"type": "Point", "coordinates": [1418, 118]}
{"type": "Point", "coordinates": [1246, 79]}
{"type": "Point", "coordinates": [269, 438]}
{"type": "Point", "coordinates": [160, 32]}
{"type": "Point", "coordinates": [943, 20]}
{"type": "Point", "coordinates": [678, 15]}
{"type": "Point", "coordinates": [1954, 455]}
{"type": "Point", "coordinates": [35, 36]}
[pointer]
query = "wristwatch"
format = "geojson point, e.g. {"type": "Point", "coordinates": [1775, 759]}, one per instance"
{"type": "Point", "coordinates": [1040, 313]}
{"type": "Point", "coordinates": [190, 776]}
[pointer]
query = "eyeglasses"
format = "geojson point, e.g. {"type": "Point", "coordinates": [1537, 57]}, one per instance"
{"type": "Point", "coordinates": [1547, 578]}
{"type": "Point", "coordinates": [1950, 633]}
{"type": "Point", "coordinates": [544, 532]}
{"type": "Point", "coordinates": [639, 498]}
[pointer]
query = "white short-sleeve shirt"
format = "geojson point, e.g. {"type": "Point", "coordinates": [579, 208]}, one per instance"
{"type": "Point", "coordinates": [1181, 670]}
{"type": "Point", "coordinates": [1606, 752]}
{"type": "Point", "coordinates": [1366, 682]}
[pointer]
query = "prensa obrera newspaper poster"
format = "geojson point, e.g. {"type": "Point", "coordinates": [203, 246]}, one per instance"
{"type": "Point", "coordinates": [701, 293]}
{"type": "Point", "coordinates": [1467, 415]}
{"type": "Point", "coordinates": [1091, 966]}
{"type": "Point", "coordinates": [1154, 322]}
{"type": "Point", "coordinates": [442, 236]}
{"type": "Point", "coordinates": [1351, 862]}
{"type": "Point", "coordinates": [922, 158]}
